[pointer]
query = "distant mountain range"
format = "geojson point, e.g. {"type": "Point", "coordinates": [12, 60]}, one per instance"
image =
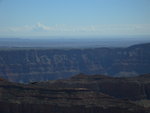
{"type": "Point", "coordinates": [72, 42]}
{"type": "Point", "coordinates": [41, 64]}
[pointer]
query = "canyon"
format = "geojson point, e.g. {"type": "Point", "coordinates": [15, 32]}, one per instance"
{"type": "Point", "coordinates": [26, 65]}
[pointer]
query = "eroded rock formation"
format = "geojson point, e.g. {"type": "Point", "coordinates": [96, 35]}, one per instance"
{"type": "Point", "coordinates": [27, 65]}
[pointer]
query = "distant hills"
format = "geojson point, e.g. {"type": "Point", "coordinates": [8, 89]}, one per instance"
{"type": "Point", "coordinates": [72, 42]}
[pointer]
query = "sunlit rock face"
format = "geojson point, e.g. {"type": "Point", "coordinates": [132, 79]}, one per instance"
{"type": "Point", "coordinates": [27, 65]}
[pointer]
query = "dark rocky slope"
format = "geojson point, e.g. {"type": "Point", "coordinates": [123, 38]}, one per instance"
{"type": "Point", "coordinates": [35, 98]}
{"type": "Point", "coordinates": [27, 65]}
{"type": "Point", "coordinates": [133, 88]}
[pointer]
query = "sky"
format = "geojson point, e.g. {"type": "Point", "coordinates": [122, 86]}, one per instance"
{"type": "Point", "coordinates": [27, 18]}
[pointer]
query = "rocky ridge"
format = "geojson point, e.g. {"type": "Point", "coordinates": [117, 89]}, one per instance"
{"type": "Point", "coordinates": [41, 64]}
{"type": "Point", "coordinates": [43, 97]}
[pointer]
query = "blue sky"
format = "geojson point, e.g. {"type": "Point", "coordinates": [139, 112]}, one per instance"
{"type": "Point", "coordinates": [74, 17]}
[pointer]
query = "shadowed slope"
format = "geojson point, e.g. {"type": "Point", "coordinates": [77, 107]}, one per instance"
{"type": "Point", "coordinates": [35, 98]}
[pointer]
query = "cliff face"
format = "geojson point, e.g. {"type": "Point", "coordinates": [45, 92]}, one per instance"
{"type": "Point", "coordinates": [35, 98]}
{"type": "Point", "coordinates": [27, 65]}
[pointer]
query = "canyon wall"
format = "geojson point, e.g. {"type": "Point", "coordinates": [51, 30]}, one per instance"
{"type": "Point", "coordinates": [40, 64]}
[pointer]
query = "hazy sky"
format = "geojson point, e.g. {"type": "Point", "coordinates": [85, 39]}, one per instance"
{"type": "Point", "coordinates": [74, 17]}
